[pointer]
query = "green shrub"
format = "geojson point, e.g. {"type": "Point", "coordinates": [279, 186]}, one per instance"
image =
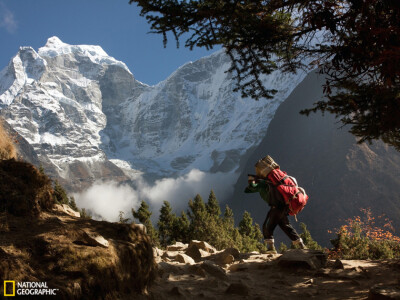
{"type": "Point", "coordinates": [363, 238]}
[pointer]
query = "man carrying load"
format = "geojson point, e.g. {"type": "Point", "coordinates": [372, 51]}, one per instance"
{"type": "Point", "coordinates": [282, 194]}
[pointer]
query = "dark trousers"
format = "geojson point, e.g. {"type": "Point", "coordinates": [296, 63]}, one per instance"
{"type": "Point", "coordinates": [278, 216]}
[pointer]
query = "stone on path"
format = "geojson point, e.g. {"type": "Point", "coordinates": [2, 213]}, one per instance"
{"type": "Point", "coordinates": [390, 292]}
{"type": "Point", "coordinates": [203, 245]}
{"type": "Point", "coordinates": [224, 258]}
{"type": "Point", "coordinates": [214, 270]}
{"type": "Point", "coordinates": [304, 258]}
{"type": "Point", "coordinates": [238, 289]}
{"type": "Point", "coordinates": [185, 259]}
{"type": "Point", "coordinates": [170, 255]}
{"type": "Point", "coordinates": [338, 264]}
{"type": "Point", "coordinates": [178, 246]}
{"type": "Point", "coordinates": [195, 252]}
{"type": "Point", "coordinates": [233, 251]}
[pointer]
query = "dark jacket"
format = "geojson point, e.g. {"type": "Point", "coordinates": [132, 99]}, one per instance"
{"type": "Point", "coordinates": [268, 193]}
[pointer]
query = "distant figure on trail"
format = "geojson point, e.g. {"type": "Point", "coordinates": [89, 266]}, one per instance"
{"type": "Point", "coordinates": [278, 190]}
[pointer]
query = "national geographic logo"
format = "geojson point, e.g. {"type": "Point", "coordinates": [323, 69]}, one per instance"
{"type": "Point", "coordinates": [27, 288]}
{"type": "Point", "coordinates": [9, 288]}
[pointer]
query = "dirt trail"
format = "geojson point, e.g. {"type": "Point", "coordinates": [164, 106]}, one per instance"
{"type": "Point", "coordinates": [262, 276]}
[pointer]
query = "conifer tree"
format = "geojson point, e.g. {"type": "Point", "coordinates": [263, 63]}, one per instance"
{"type": "Point", "coordinates": [228, 223]}
{"type": "Point", "coordinates": [246, 225]}
{"type": "Point", "coordinates": [60, 194]}
{"type": "Point", "coordinates": [84, 214]}
{"type": "Point", "coordinates": [228, 216]}
{"type": "Point", "coordinates": [198, 218]}
{"type": "Point", "coordinates": [72, 203]}
{"type": "Point", "coordinates": [143, 215]}
{"type": "Point", "coordinates": [307, 239]}
{"type": "Point", "coordinates": [233, 237]}
{"type": "Point", "coordinates": [121, 218]}
{"type": "Point", "coordinates": [282, 247]}
{"type": "Point", "coordinates": [212, 206]}
{"type": "Point", "coordinates": [165, 224]}
{"type": "Point", "coordinates": [251, 233]}
{"type": "Point", "coordinates": [180, 229]}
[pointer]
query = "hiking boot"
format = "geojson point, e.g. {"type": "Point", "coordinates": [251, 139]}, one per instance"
{"type": "Point", "coordinates": [270, 246]}
{"type": "Point", "coordinates": [299, 244]}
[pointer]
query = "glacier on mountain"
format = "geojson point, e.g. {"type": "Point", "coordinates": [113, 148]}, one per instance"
{"type": "Point", "coordinates": [75, 103]}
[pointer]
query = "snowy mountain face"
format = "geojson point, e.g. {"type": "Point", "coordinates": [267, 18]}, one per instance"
{"type": "Point", "coordinates": [77, 104]}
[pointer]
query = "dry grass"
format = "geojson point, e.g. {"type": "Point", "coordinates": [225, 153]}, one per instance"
{"type": "Point", "coordinates": [7, 147]}
{"type": "Point", "coordinates": [52, 248]}
{"type": "Point", "coordinates": [23, 189]}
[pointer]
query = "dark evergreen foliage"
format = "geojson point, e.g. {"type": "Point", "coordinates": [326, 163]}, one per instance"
{"type": "Point", "coordinates": [180, 229]}
{"type": "Point", "coordinates": [212, 205]}
{"type": "Point", "coordinates": [307, 239]}
{"type": "Point", "coordinates": [60, 195]}
{"type": "Point", "coordinates": [251, 234]}
{"type": "Point", "coordinates": [143, 215]}
{"type": "Point", "coordinates": [121, 218]}
{"type": "Point", "coordinates": [166, 224]}
{"type": "Point", "coordinates": [84, 214]}
{"type": "Point", "coordinates": [206, 223]}
{"type": "Point", "coordinates": [72, 204]}
{"type": "Point", "coordinates": [198, 219]}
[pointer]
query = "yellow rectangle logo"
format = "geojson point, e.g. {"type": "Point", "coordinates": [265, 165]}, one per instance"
{"type": "Point", "coordinates": [5, 287]}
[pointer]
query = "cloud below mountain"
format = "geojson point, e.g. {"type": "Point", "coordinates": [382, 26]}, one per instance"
{"type": "Point", "coordinates": [106, 199]}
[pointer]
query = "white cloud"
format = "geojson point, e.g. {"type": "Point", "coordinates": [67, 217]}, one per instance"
{"type": "Point", "coordinates": [179, 190]}
{"type": "Point", "coordinates": [7, 19]}
{"type": "Point", "coordinates": [107, 199]}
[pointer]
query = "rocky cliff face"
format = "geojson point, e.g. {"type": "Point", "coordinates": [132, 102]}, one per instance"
{"type": "Point", "coordinates": [339, 175]}
{"type": "Point", "coordinates": [85, 111]}
{"type": "Point", "coordinates": [52, 98]}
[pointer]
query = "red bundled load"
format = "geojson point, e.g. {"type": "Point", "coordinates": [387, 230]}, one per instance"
{"type": "Point", "coordinates": [295, 197]}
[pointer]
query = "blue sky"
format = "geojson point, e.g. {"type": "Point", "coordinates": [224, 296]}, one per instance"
{"type": "Point", "coordinates": [112, 24]}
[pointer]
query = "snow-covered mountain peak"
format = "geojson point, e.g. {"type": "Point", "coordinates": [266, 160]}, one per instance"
{"type": "Point", "coordinates": [76, 103]}
{"type": "Point", "coordinates": [54, 42]}
{"type": "Point", "coordinates": [25, 68]}
{"type": "Point", "coordinates": [55, 47]}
